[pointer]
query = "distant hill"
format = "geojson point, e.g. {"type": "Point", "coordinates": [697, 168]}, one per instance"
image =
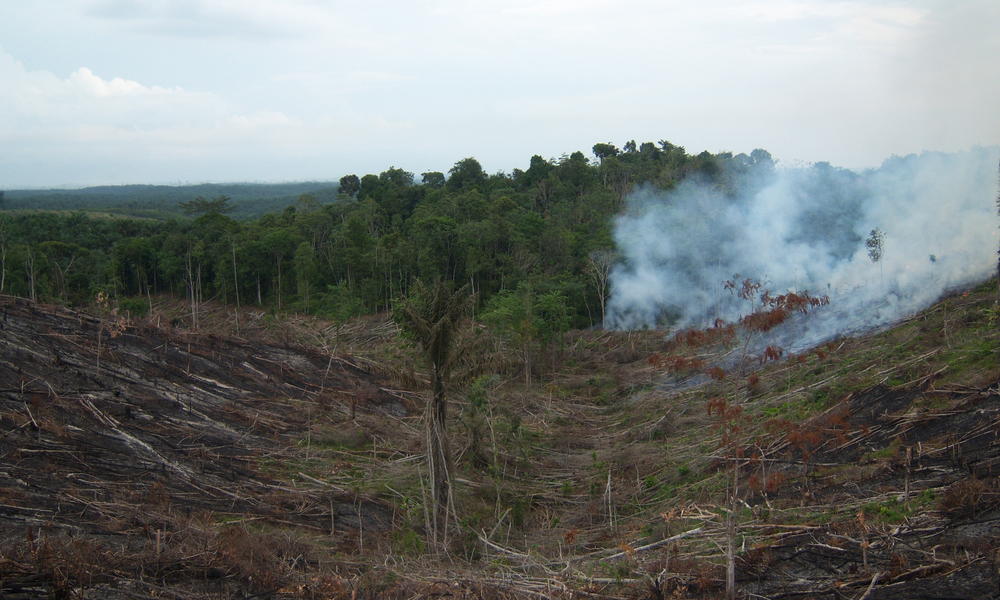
{"type": "Point", "coordinates": [249, 200]}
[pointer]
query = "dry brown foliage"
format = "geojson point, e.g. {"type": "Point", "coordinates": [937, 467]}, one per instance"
{"type": "Point", "coordinates": [720, 333]}
{"type": "Point", "coordinates": [968, 497]}
{"type": "Point", "coordinates": [676, 364]}
{"type": "Point", "coordinates": [771, 353]}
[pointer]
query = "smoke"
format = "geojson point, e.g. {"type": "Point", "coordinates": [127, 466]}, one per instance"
{"type": "Point", "coordinates": [804, 230]}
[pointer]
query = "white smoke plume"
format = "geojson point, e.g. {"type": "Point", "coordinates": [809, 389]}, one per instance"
{"type": "Point", "coordinates": [804, 230]}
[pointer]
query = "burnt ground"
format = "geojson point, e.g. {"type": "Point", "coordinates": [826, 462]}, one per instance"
{"type": "Point", "coordinates": [144, 467]}
{"type": "Point", "coordinates": [145, 461]}
{"type": "Point", "coordinates": [910, 494]}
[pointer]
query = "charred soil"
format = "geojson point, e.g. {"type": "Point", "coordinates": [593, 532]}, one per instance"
{"type": "Point", "coordinates": [142, 460]}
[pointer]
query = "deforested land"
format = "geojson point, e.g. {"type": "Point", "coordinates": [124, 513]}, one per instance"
{"type": "Point", "coordinates": [208, 407]}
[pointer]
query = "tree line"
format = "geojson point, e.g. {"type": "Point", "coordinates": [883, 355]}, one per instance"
{"type": "Point", "coordinates": [250, 200]}
{"type": "Point", "coordinates": [533, 245]}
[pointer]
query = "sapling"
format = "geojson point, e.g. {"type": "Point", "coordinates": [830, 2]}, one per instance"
{"type": "Point", "coordinates": [876, 248]}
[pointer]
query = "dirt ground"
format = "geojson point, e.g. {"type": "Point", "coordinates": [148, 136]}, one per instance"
{"type": "Point", "coordinates": [142, 460]}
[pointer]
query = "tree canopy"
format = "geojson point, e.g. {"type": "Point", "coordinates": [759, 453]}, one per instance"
{"type": "Point", "coordinates": [530, 235]}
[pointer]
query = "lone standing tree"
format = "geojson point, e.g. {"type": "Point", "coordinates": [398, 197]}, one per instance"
{"type": "Point", "coordinates": [876, 247]}
{"type": "Point", "coordinates": [432, 315]}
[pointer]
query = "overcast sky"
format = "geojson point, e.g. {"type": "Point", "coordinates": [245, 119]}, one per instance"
{"type": "Point", "coordinates": [170, 91]}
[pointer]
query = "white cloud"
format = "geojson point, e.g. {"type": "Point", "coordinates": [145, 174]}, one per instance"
{"type": "Point", "coordinates": [88, 83]}
{"type": "Point", "coordinates": [85, 128]}
{"type": "Point", "coordinates": [33, 100]}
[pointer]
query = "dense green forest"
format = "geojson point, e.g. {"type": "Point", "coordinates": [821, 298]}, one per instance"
{"type": "Point", "coordinates": [534, 244]}
{"type": "Point", "coordinates": [248, 200]}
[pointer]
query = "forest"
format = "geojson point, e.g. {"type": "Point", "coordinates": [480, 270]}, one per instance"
{"type": "Point", "coordinates": [537, 238]}
{"type": "Point", "coordinates": [250, 200]}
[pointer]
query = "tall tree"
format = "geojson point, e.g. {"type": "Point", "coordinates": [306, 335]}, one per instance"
{"type": "Point", "coordinates": [467, 173]}
{"type": "Point", "coordinates": [602, 151]}
{"type": "Point", "coordinates": [434, 179]}
{"type": "Point", "coordinates": [876, 248]}
{"type": "Point", "coordinates": [599, 263]}
{"type": "Point", "coordinates": [31, 270]}
{"type": "Point", "coordinates": [432, 315]}
{"type": "Point", "coordinates": [530, 319]}
{"type": "Point", "coordinates": [4, 239]}
{"type": "Point", "coordinates": [306, 271]}
{"type": "Point", "coordinates": [350, 185]}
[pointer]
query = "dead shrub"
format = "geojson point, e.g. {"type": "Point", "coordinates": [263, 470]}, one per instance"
{"type": "Point", "coordinates": [59, 562]}
{"type": "Point", "coordinates": [754, 562]}
{"type": "Point", "coordinates": [264, 561]}
{"type": "Point", "coordinates": [968, 497]}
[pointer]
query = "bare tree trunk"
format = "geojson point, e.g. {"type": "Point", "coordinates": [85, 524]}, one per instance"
{"type": "Point", "coordinates": [3, 253]}
{"type": "Point", "coordinates": [438, 462]}
{"type": "Point", "coordinates": [29, 267]}
{"type": "Point", "coordinates": [198, 288]}
{"type": "Point", "coordinates": [236, 279]}
{"type": "Point", "coordinates": [236, 289]}
{"type": "Point", "coordinates": [139, 277]}
{"type": "Point", "coordinates": [731, 536]}
{"type": "Point", "coordinates": [192, 290]}
{"type": "Point", "coordinates": [277, 287]}
{"type": "Point", "coordinates": [600, 263]}
{"type": "Point", "coordinates": [526, 353]}
{"type": "Point", "coordinates": [100, 335]}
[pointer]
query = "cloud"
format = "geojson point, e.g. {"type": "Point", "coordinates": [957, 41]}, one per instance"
{"type": "Point", "coordinates": [849, 81]}
{"type": "Point", "coordinates": [88, 128]}
{"type": "Point", "coordinates": [250, 20]}
{"type": "Point", "coordinates": [35, 101]}
{"type": "Point", "coordinates": [88, 123]}
{"type": "Point", "coordinates": [84, 80]}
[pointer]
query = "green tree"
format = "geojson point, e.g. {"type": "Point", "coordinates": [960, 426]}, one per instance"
{"type": "Point", "coordinates": [875, 244]}
{"type": "Point", "coordinates": [306, 272]}
{"type": "Point", "coordinates": [396, 177]}
{"type": "Point", "coordinates": [531, 320]}
{"type": "Point", "coordinates": [280, 244]}
{"type": "Point", "coordinates": [436, 238]}
{"type": "Point", "coordinates": [371, 187]}
{"type": "Point", "coordinates": [350, 185]}
{"type": "Point", "coordinates": [467, 173]}
{"type": "Point", "coordinates": [602, 151]}
{"type": "Point", "coordinates": [433, 179]}
{"type": "Point", "coordinates": [133, 266]}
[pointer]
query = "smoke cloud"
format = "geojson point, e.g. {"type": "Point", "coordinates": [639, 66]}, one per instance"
{"type": "Point", "coordinates": [805, 230]}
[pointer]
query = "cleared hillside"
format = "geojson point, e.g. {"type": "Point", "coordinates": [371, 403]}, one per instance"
{"type": "Point", "coordinates": [196, 465]}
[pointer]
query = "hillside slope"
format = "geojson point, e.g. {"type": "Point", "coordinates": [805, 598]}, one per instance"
{"type": "Point", "coordinates": [132, 452]}
{"type": "Point", "coordinates": [206, 466]}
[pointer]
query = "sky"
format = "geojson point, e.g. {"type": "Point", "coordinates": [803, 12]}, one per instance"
{"type": "Point", "coordinates": [186, 91]}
